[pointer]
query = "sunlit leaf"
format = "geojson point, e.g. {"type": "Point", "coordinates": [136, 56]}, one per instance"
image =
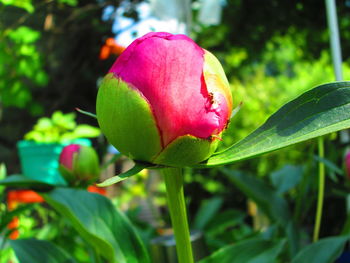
{"type": "Point", "coordinates": [24, 34]}
{"type": "Point", "coordinates": [120, 177]}
{"type": "Point", "coordinates": [25, 4]}
{"type": "Point", "coordinates": [320, 111]}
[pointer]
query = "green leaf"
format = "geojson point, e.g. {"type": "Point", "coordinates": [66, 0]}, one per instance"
{"type": "Point", "coordinates": [39, 251]}
{"type": "Point", "coordinates": [329, 164]}
{"type": "Point", "coordinates": [272, 204]}
{"type": "Point", "coordinates": [206, 212]}
{"type": "Point", "coordinates": [326, 250]}
{"type": "Point", "coordinates": [286, 178]}
{"type": "Point", "coordinates": [224, 221]}
{"type": "Point", "coordinates": [138, 167]}
{"type": "Point", "coordinates": [100, 224]}
{"type": "Point", "coordinates": [248, 251]}
{"type": "Point", "coordinates": [320, 111]}
{"type": "Point", "coordinates": [22, 181]}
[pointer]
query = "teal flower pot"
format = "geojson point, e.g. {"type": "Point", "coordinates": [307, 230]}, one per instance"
{"type": "Point", "coordinates": [39, 161]}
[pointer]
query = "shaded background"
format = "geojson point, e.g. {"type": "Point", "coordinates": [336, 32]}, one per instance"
{"type": "Point", "coordinates": [50, 59]}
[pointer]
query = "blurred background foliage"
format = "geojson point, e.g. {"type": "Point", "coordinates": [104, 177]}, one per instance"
{"type": "Point", "coordinates": [272, 51]}
{"type": "Point", "coordinates": [49, 52]}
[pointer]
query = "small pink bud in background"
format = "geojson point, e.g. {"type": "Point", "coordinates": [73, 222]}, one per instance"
{"type": "Point", "coordinates": [67, 155]}
{"type": "Point", "coordinates": [79, 165]}
{"type": "Point", "coordinates": [347, 164]}
{"type": "Point", "coordinates": [165, 101]}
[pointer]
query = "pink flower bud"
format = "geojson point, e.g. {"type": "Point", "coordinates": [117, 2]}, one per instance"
{"type": "Point", "coordinates": [67, 155]}
{"type": "Point", "coordinates": [347, 164]}
{"type": "Point", "coordinates": [79, 165]}
{"type": "Point", "coordinates": [165, 100]}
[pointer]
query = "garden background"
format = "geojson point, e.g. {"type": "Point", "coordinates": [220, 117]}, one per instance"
{"type": "Point", "coordinates": [54, 53]}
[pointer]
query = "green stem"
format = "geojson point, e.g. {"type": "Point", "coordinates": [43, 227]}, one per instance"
{"type": "Point", "coordinates": [321, 185]}
{"type": "Point", "coordinates": [173, 178]}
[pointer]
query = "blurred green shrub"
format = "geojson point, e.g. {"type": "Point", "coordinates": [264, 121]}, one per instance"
{"type": "Point", "coordinates": [60, 128]}
{"type": "Point", "coordinates": [282, 74]}
{"type": "Point", "coordinates": [22, 68]}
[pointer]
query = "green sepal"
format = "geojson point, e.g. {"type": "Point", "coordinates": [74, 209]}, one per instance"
{"type": "Point", "coordinates": [186, 150]}
{"type": "Point", "coordinates": [66, 174]}
{"type": "Point", "coordinates": [86, 164]}
{"type": "Point", "coordinates": [126, 119]}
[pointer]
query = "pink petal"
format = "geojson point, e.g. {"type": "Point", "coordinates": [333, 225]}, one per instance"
{"type": "Point", "coordinates": [168, 70]}
{"type": "Point", "coordinates": [67, 154]}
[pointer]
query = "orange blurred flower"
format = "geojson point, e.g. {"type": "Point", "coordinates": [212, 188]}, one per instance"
{"type": "Point", "coordinates": [111, 47]}
{"type": "Point", "coordinates": [95, 189]}
{"type": "Point", "coordinates": [16, 197]}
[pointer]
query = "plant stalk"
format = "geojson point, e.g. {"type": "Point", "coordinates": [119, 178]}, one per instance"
{"type": "Point", "coordinates": [321, 186]}
{"type": "Point", "coordinates": [173, 178]}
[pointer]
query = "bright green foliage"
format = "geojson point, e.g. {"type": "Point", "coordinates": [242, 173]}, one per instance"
{"type": "Point", "coordinates": [60, 128]}
{"type": "Point", "coordinates": [69, 2]}
{"type": "Point", "coordinates": [283, 72]}
{"type": "Point", "coordinates": [24, 4]}
{"type": "Point", "coordinates": [21, 68]}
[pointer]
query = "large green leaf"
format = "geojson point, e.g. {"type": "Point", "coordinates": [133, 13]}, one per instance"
{"type": "Point", "coordinates": [326, 250]}
{"type": "Point", "coordinates": [248, 251]}
{"type": "Point", "coordinates": [100, 224]}
{"type": "Point", "coordinates": [18, 180]}
{"type": "Point", "coordinates": [322, 110]}
{"type": "Point", "coordinates": [39, 251]}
